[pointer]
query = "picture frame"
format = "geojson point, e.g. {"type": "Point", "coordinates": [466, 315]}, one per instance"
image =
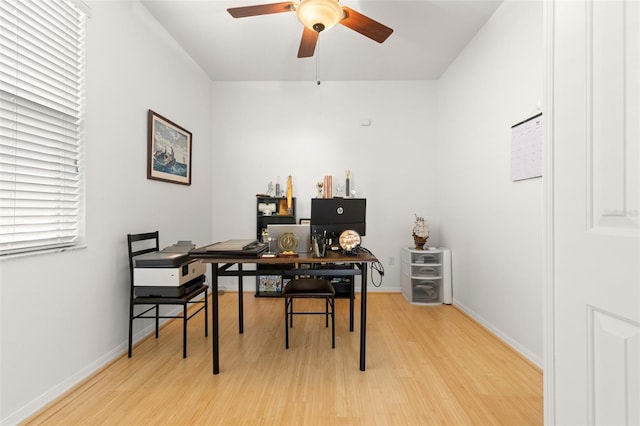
{"type": "Point", "coordinates": [168, 150]}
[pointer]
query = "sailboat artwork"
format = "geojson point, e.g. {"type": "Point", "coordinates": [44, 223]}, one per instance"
{"type": "Point", "coordinates": [169, 151]}
{"type": "Point", "coordinates": [164, 160]}
{"type": "Point", "coordinates": [166, 142]}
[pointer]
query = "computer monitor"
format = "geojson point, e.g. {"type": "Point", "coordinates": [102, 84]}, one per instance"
{"type": "Point", "coordinates": [335, 215]}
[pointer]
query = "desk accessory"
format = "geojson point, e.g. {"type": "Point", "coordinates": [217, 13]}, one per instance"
{"type": "Point", "coordinates": [288, 242]}
{"type": "Point", "coordinates": [347, 181]}
{"type": "Point", "coordinates": [420, 232]}
{"type": "Point", "coordinates": [318, 245]}
{"type": "Point", "coordinates": [328, 186]}
{"type": "Point", "coordinates": [289, 195]}
{"type": "Point", "coordinates": [267, 209]}
{"type": "Point", "coordinates": [349, 241]}
{"type": "Point", "coordinates": [288, 254]}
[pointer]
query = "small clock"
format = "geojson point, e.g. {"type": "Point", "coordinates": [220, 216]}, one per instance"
{"type": "Point", "coordinates": [349, 241]}
{"type": "Point", "coordinates": [288, 242]}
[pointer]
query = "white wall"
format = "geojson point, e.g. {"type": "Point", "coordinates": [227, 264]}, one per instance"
{"type": "Point", "coordinates": [494, 225]}
{"type": "Point", "coordinates": [265, 130]}
{"type": "Point", "coordinates": [64, 315]}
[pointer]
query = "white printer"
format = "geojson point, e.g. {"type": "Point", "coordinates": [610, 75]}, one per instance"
{"type": "Point", "coordinates": [168, 272]}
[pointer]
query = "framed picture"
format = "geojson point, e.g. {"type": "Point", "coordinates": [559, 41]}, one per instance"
{"type": "Point", "coordinates": [168, 151]}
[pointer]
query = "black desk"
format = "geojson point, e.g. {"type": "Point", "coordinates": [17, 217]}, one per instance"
{"type": "Point", "coordinates": [221, 266]}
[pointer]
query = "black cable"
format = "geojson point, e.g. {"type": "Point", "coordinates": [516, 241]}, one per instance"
{"type": "Point", "coordinates": [375, 266]}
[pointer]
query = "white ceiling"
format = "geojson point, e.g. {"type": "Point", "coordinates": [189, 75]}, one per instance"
{"type": "Point", "coordinates": [427, 37]}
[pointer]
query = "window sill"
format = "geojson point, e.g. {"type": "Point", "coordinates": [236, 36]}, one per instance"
{"type": "Point", "coordinates": [41, 252]}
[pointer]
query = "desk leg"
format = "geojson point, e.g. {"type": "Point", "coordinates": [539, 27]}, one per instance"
{"type": "Point", "coordinates": [214, 318]}
{"type": "Point", "coordinates": [352, 298]}
{"type": "Point", "coordinates": [240, 301]}
{"type": "Point", "coordinates": [363, 317]}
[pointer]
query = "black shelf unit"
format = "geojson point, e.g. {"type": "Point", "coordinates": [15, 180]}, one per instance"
{"type": "Point", "coordinates": [343, 284]}
{"type": "Point", "coordinates": [277, 207]}
{"type": "Point", "coordinates": [270, 285]}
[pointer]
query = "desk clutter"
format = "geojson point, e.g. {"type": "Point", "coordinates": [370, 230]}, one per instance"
{"type": "Point", "coordinates": [335, 226]}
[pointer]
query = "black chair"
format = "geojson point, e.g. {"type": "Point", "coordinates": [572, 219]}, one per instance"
{"type": "Point", "coordinates": [147, 243]}
{"type": "Point", "coordinates": [309, 288]}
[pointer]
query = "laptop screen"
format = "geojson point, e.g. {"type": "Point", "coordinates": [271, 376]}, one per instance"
{"type": "Point", "coordinates": [279, 242]}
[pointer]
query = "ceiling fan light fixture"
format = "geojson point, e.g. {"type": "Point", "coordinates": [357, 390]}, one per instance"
{"type": "Point", "coordinates": [319, 15]}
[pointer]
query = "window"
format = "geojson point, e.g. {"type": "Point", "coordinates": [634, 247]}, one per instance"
{"type": "Point", "coordinates": [41, 115]}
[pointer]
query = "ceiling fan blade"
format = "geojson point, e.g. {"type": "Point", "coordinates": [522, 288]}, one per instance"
{"type": "Point", "coordinates": [308, 43]}
{"type": "Point", "coordinates": [365, 25]}
{"type": "Point", "coordinates": [261, 9]}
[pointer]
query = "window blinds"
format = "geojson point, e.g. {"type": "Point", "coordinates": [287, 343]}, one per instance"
{"type": "Point", "coordinates": [41, 111]}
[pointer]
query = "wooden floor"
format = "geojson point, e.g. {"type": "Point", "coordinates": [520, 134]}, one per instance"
{"type": "Point", "coordinates": [426, 365]}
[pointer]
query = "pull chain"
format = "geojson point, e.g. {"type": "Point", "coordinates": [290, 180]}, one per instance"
{"type": "Point", "coordinates": [318, 62]}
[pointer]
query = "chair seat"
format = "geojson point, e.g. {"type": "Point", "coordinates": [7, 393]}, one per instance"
{"type": "Point", "coordinates": [308, 287]}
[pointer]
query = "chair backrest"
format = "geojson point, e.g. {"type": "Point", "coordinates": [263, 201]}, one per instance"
{"type": "Point", "coordinates": [141, 244]}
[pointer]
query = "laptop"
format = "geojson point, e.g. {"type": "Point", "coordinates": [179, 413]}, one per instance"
{"type": "Point", "coordinates": [301, 234]}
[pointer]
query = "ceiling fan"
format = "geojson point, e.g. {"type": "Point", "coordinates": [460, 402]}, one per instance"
{"type": "Point", "coordinates": [318, 16]}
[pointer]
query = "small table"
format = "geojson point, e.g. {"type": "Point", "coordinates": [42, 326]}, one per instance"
{"type": "Point", "coordinates": [221, 266]}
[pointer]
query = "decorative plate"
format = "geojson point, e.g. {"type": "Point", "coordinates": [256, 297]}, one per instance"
{"type": "Point", "coordinates": [349, 240]}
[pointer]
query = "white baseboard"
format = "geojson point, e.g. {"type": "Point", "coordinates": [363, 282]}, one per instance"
{"type": "Point", "coordinates": [41, 401]}
{"type": "Point", "coordinates": [84, 373]}
{"type": "Point", "coordinates": [505, 338]}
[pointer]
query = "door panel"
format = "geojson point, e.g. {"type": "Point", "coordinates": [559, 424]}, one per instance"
{"type": "Point", "coordinates": [592, 373]}
{"type": "Point", "coordinates": [614, 353]}
{"type": "Point", "coordinates": [613, 115]}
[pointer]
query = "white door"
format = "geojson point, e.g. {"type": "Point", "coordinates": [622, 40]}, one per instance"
{"type": "Point", "coordinates": [592, 329]}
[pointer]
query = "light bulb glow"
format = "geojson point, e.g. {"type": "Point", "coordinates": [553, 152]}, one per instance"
{"type": "Point", "coordinates": [327, 13]}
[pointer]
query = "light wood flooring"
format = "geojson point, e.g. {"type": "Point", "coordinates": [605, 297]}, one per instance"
{"type": "Point", "coordinates": [426, 365]}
